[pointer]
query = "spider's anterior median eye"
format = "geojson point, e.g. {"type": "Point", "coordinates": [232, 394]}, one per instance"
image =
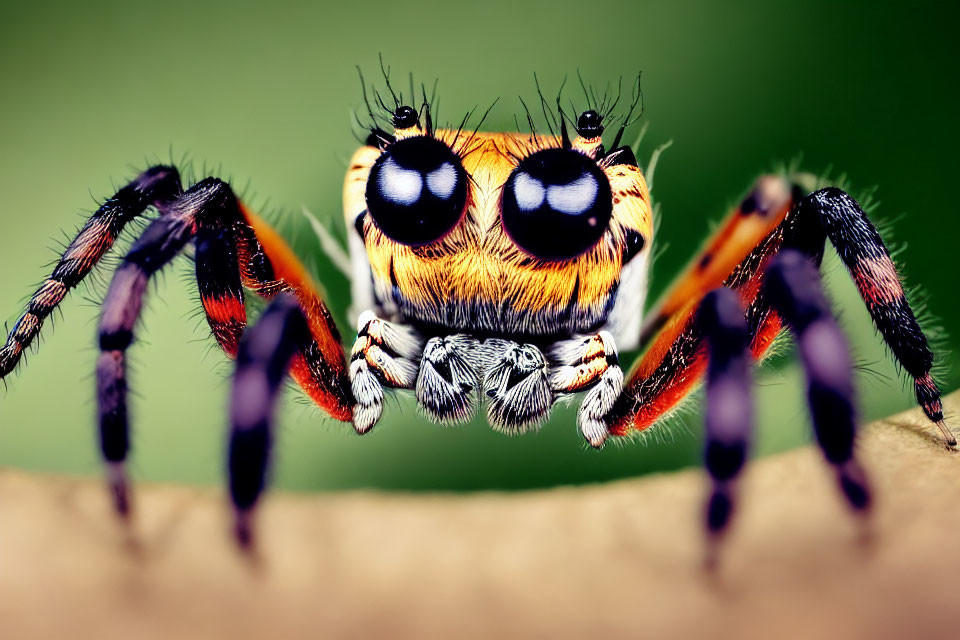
{"type": "Point", "coordinates": [417, 190]}
{"type": "Point", "coordinates": [556, 204]}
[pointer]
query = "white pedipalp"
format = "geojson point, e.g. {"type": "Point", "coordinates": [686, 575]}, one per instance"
{"type": "Point", "coordinates": [626, 317]}
{"type": "Point", "coordinates": [361, 284]}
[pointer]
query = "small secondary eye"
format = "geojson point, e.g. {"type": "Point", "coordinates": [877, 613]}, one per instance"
{"type": "Point", "coordinates": [405, 117]}
{"type": "Point", "coordinates": [556, 204]}
{"type": "Point", "coordinates": [590, 124]}
{"type": "Point", "coordinates": [417, 190]}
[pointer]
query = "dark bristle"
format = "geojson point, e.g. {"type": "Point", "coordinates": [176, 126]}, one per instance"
{"type": "Point", "coordinates": [427, 117]}
{"type": "Point", "coordinates": [564, 136]}
{"type": "Point", "coordinates": [628, 117]}
{"type": "Point", "coordinates": [547, 115]}
{"type": "Point", "coordinates": [530, 123]}
{"type": "Point", "coordinates": [385, 70]}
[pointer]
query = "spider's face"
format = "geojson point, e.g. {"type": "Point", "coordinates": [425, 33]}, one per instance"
{"type": "Point", "coordinates": [497, 233]}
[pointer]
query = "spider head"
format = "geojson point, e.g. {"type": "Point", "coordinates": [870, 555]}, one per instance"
{"type": "Point", "coordinates": [497, 233]}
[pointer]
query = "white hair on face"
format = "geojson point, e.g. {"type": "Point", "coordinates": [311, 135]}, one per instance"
{"type": "Point", "coordinates": [442, 181]}
{"type": "Point", "coordinates": [575, 197]}
{"type": "Point", "coordinates": [529, 191]}
{"type": "Point", "coordinates": [399, 185]}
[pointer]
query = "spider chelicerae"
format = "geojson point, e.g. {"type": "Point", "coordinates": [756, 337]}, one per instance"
{"type": "Point", "coordinates": [506, 270]}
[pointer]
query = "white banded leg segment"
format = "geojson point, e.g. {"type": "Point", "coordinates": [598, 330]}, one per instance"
{"type": "Point", "coordinates": [384, 355]}
{"type": "Point", "coordinates": [516, 385]}
{"type": "Point", "coordinates": [592, 363]}
{"type": "Point", "coordinates": [368, 393]}
{"type": "Point", "coordinates": [449, 377]}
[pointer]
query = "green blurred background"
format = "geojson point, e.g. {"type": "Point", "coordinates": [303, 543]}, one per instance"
{"type": "Point", "coordinates": [263, 93]}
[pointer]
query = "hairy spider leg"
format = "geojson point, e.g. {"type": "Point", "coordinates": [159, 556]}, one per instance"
{"type": "Point", "coordinates": [764, 207]}
{"type": "Point", "coordinates": [229, 253]}
{"type": "Point", "coordinates": [728, 415]}
{"type": "Point", "coordinates": [793, 287]}
{"type": "Point", "coordinates": [778, 283]}
{"type": "Point", "coordinates": [674, 362]}
{"type": "Point", "coordinates": [158, 187]}
{"type": "Point", "coordinates": [264, 357]}
{"type": "Point", "coordinates": [268, 266]}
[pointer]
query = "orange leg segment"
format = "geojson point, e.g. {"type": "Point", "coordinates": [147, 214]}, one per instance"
{"type": "Point", "coordinates": [745, 227]}
{"type": "Point", "coordinates": [234, 248]}
{"type": "Point", "coordinates": [773, 217]}
{"type": "Point", "coordinates": [675, 358]}
{"type": "Point", "coordinates": [250, 254]}
{"type": "Point", "coordinates": [269, 266]}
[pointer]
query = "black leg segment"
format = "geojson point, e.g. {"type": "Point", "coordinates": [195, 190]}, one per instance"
{"type": "Point", "coordinates": [792, 286]}
{"type": "Point", "coordinates": [220, 285]}
{"type": "Point", "coordinates": [157, 186]}
{"type": "Point", "coordinates": [860, 247]}
{"type": "Point", "coordinates": [210, 203]}
{"type": "Point", "coordinates": [263, 359]}
{"type": "Point", "coordinates": [729, 400]}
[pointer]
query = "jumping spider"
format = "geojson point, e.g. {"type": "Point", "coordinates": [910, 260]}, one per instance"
{"type": "Point", "coordinates": [507, 269]}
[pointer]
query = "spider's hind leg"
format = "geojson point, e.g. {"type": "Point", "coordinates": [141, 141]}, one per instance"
{"type": "Point", "coordinates": [673, 362]}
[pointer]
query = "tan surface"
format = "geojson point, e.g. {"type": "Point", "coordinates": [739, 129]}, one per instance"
{"type": "Point", "coordinates": [601, 561]}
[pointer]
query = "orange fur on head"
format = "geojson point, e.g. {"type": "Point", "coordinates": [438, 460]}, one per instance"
{"type": "Point", "coordinates": [475, 277]}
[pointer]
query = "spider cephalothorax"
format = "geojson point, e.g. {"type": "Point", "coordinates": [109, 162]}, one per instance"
{"type": "Point", "coordinates": [505, 271]}
{"type": "Point", "coordinates": [497, 234]}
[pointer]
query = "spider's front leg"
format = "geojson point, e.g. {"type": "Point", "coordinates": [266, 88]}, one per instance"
{"type": "Point", "coordinates": [385, 354]}
{"type": "Point", "coordinates": [589, 362]}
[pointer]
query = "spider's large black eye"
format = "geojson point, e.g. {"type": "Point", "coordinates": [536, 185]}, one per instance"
{"type": "Point", "coordinates": [417, 190]}
{"type": "Point", "coordinates": [556, 204]}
